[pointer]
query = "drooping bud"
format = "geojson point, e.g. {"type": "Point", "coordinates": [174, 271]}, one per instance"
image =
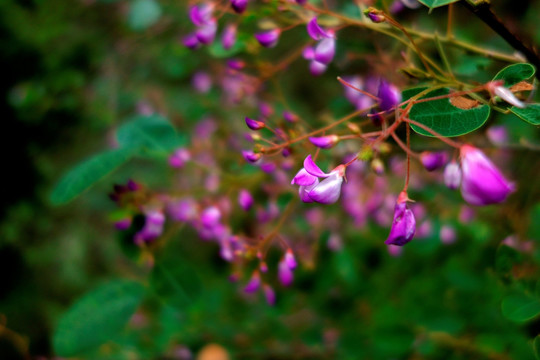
{"type": "Point", "coordinates": [433, 160]}
{"type": "Point", "coordinates": [254, 283]}
{"type": "Point", "coordinates": [254, 124]}
{"type": "Point", "coordinates": [239, 6]}
{"type": "Point", "coordinates": [245, 200]}
{"type": "Point", "coordinates": [228, 37]}
{"type": "Point", "coordinates": [289, 259]}
{"type": "Point", "coordinates": [496, 89]}
{"type": "Point", "coordinates": [250, 156]}
{"type": "Point", "coordinates": [404, 223]}
{"type": "Point", "coordinates": [201, 15]}
{"type": "Point", "coordinates": [389, 95]}
{"type": "Point", "coordinates": [269, 294]}
{"type": "Point", "coordinates": [268, 39]}
{"type": "Point", "coordinates": [206, 33]}
{"type": "Point", "coordinates": [290, 117]}
{"type": "Point", "coordinates": [285, 274]}
{"type": "Point", "coordinates": [325, 142]}
{"type": "Point", "coordinates": [452, 175]}
{"type": "Point", "coordinates": [210, 217]}
{"type": "Point", "coordinates": [374, 15]}
{"type": "Point", "coordinates": [483, 183]}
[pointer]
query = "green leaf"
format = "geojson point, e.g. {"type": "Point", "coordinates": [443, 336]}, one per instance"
{"type": "Point", "coordinates": [143, 14]}
{"type": "Point", "coordinates": [530, 114]}
{"type": "Point", "coordinates": [436, 3]}
{"type": "Point", "coordinates": [515, 73]}
{"type": "Point", "coordinates": [87, 173]}
{"type": "Point", "coordinates": [520, 307]}
{"type": "Point", "coordinates": [152, 132]}
{"type": "Point", "coordinates": [97, 317]}
{"type": "Point", "coordinates": [175, 282]}
{"type": "Point", "coordinates": [443, 117]}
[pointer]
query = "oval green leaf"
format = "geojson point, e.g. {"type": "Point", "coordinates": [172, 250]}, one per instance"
{"type": "Point", "coordinates": [436, 3]}
{"type": "Point", "coordinates": [443, 117]}
{"type": "Point", "coordinates": [154, 132]}
{"type": "Point", "coordinates": [87, 173]}
{"type": "Point", "coordinates": [515, 73]}
{"type": "Point", "coordinates": [97, 317]}
{"type": "Point", "coordinates": [143, 14]}
{"type": "Point", "coordinates": [520, 307]}
{"type": "Point", "coordinates": [530, 114]}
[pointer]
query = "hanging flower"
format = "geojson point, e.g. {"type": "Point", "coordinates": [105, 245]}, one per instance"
{"type": "Point", "coordinates": [404, 223]}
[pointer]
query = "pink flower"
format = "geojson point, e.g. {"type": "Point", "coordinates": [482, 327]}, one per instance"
{"type": "Point", "coordinates": [482, 183]}
{"type": "Point", "coordinates": [268, 38]}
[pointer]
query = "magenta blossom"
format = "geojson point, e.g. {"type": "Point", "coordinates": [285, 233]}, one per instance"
{"type": "Point", "coordinates": [285, 274]}
{"type": "Point", "coordinates": [254, 124]}
{"type": "Point", "coordinates": [325, 192]}
{"type": "Point", "coordinates": [315, 31]}
{"type": "Point", "coordinates": [228, 37]}
{"type": "Point", "coordinates": [433, 160]}
{"type": "Point", "coordinates": [482, 183]}
{"type": "Point", "coordinates": [325, 51]}
{"type": "Point", "coordinates": [268, 38]}
{"type": "Point", "coordinates": [245, 199]}
{"type": "Point", "coordinates": [239, 6]}
{"type": "Point", "coordinates": [389, 95]}
{"type": "Point", "coordinates": [404, 223]}
{"type": "Point", "coordinates": [325, 142]}
{"type": "Point", "coordinates": [201, 15]}
{"type": "Point", "coordinates": [254, 283]}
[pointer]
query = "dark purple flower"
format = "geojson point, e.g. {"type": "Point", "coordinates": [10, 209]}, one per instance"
{"type": "Point", "coordinates": [245, 199]}
{"type": "Point", "coordinates": [254, 124]}
{"type": "Point", "coordinates": [315, 31]}
{"type": "Point", "coordinates": [403, 225]}
{"type": "Point", "coordinates": [452, 175]}
{"type": "Point", "coordinates": [325, 50]}
{"type": "Point", "coordinates": [239, 6]}
{"type": "Point", "coordinates": [389, 95]}
{"type": "Point", "coordinates": [482, 182]}
{"type": "Point", "coordinates": [268, 38]}
{"type": "Point", "coordinates": [228, 37]}
{"type": "Point", "coordinates": [191, 42]}
{"type": "Point", "coordinates": [250, 156]}
{"type": "Point", "coordinates": [433, 160]}
{"type": "Point", "coordinates": [325, 142]}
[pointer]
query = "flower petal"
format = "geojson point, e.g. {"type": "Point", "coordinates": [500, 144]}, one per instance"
{"type": "Point", "coordinates": [315, 31]}
{"type": "Point", "coordinates": [303, 178]}
{"type": "Point", "coordinates": [328, 191]}
{"type": "Point", "coordinates": [312, 168]}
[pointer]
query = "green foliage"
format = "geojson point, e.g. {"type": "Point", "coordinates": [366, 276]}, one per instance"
{"type": "Point", "coordinates": [97, 317]}
{"type": "Point", "coordinates": [515, 73]}
{"type": "Point", "coordinates": [530, 114]}
{"type": "Point", "coordinates": [520, 307]}
{"type": "Point", "coordinates": [176, 283]}
{"type": "Point", "coordinates": [436, 3]}
{"type": "Point", "coordinates": [87, 173]}
{"type": "Point", "coordinates": [442, 117]}
{"type": "Point", "coordinates": [536, 347]}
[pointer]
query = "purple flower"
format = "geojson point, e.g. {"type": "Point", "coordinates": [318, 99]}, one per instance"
{"type": "Point", "coordinates": [389, 95]}
{"type": "Point", "coordinates": [290, 117]}
{"type": "Point", "coordinates": [250, 156]}
{"type": "Point", "coordinates": [210, 217]}
{"type": "Point", "coordinates": [374, 15]}
{"type": "Point", "coordinates": [452, 175]}
{"type": "Point", "coordinates": [268, 38]}
{"type": "Point", "coordinates": [447, 234]}
{"type": "Point", "coordinates": [239, 6]}
{"type": "Point", "coordinates": [182, 209]}
{"type": "Point", "coordinates": [201, 15]}
{"type": "Point", "coordinates": [207, 32]}
{"type": "Point", "coordinates": [316, 68]}
{"type": "Point", "coordinates": [269, 294]}
{"type": "Point", "coordinates": [403, 225]}
{"type": "Point", "coordinates": [153, 227]}
{"type": "Point", "coordinates": [190, 41]}
{"type": "Point", "coordinates": [123, 224]}
{"type": "Point", "coordinates": [245, 199]}
{"type": "Point", "coordinates": [228, 37]}
{"type": "Point", "coordinates": [179, 158]}
{"type": "Point", "coordinates": [201, 82]}
{"type": "Point", "coordinates": [254, 124]}
{"type": "Point", "coordinates": [254, 283]}
{"type": "Point", "coordinates": [483, 183]}
{"type": "Point", "coordinates": [497, 134]}
{"type": "Point", "coordinates": [315, 31]}
{"type": "Point", "coordinates": [433, 160]}
{"type": "Point", "coordinates": [324, 192]}
{"type": "Point", "coordinates": [325, 50]}
{"type": "Point", "coordinates": [325, 142]}
{"type": "Point", "coordinates": [285, 274]}
{"type": "Point", "coordinates": [289, 259]}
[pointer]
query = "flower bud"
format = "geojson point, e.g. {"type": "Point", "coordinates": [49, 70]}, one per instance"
{"type": "Point", "coordinates": [377, 166]}
{"type": "Point", "coordinates": [254, 283]}
{"type": "Point", "coordinates": [325, 51]}
{"type": "Point", "coordinates": [496, 89]}
{"type": "Point", "coordinates": [210, 217]}
{"type": "Point", "coordinates": [206, 33]}
{"type": "Point", "coordinates": [498, 135]}
{"type": "Point", "coordinates": [245, 200]}
{"type": "Point", "coordinates": [403, 225]}
{"type": "Point", "coordinates": [268, 39]}
{"type": "Point", "coordinates": [289, 259]}
{"type": "Point", "coordinates": [290, 117]}
{"type": "Point", "coordinates": [190, 41]}
{"type": "Point", "coordinates": [325, 142]}
{"type": "Point", "coordinates": [269, 294]}
{"type": "Point", "coordinates": [179, 158]}
{"type": "Point", "coordinates": [389, 95]}
{"type": "Point", "coordinates": [374, 15]}
{"type": "Point", "coordinates": [228, 38]}
{"type": "Point", "coordinates": [250, 156]}
{"type": "Point", "coordinates": [447, 234]}
{"type": "Point", "coordinates": [483, 183]}
{"type": "Point", "coordinates": [239, 6]}
{"type": "Point", "coordinates": [316, 68]}
{"type": "Point", "coordinates": [433, 160]}
{"type": "Point", "coordinates": [254, 124]}
{"type": "Point", "coordinates": [201, 15]}
{"type": "Point", "coordinates": [153, 226]}
{"type": "Point", "coordinates": [285, 274]}
{"type": "Point", "coordinates": [201, 82]}
{"type": "Point", "coordinates": [452, 175]}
